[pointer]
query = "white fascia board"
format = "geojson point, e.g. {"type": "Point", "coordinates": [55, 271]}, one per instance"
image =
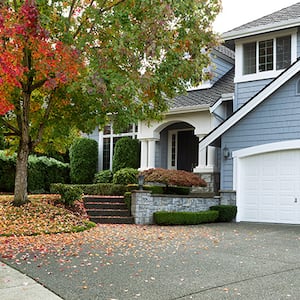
{"type": "Point", "coordinates": [249, 106]}
{"type": "Point", "coordinates": [224, 97]}
{"type": "Point", "coordinates": [188, 109]}
{"type": "Point", "coordinates": [236, 34]}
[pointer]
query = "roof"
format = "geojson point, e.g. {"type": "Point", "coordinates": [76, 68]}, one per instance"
{"type": "Point", "coordinates": [206, 97]}
{"type": "Point", "coordinates": [285, 18]}
{"type": "Point", "coordinates": [251, 104]}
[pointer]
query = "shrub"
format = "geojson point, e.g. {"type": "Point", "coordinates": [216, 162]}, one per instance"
{"type": "Point", "coordinates": [107, 189]}
{"type": "Point", "coordinates": [127, 199]}
{"type": "Point", "coordinates": [126, 154]}
{"type": "Point", "coordinates": [105, 176]}
{"type": "Point", "coordinates": [42, 171]}
{"type": "Point", "coordinates": [83, 160]}
{"type": "Point", "coordinates": [7, 172]}
{"type": "Point", "coordinates": [173, 177]}
{"type": "Point", "coordinates": [126, 176]}
{"type": "Point", "coordinates": [69, 193]}
{"type": "Point", "coordinates": [184, 218]}
{"type": "Point", "coordinates": [226, 212]}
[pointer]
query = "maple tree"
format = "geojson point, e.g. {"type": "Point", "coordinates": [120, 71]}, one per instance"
{"type": "Point", "coordinates": [66, 64]}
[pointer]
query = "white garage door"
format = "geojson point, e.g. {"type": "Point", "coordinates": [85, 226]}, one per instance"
{"type": "Point", "coordinates": [269, 187]}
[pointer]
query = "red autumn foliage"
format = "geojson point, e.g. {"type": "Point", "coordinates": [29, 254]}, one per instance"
{"type": "Point", "coordinates": [173, 177]}
{"type": "Point", "coordinates": [29, 58]}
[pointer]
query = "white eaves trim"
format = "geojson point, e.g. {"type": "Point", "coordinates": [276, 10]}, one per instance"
{"type": "Point", "coordinates": [188, 109]}
{"type": "Point", "coordinates": [250, 105]}
{"type": "Point", "coordinates": [236, 34]}
{"type": "Point", "coordinates": [224, 97]}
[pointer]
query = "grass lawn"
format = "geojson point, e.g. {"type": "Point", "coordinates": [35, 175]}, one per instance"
{"type": "Point", "coordinates": [42, 215]}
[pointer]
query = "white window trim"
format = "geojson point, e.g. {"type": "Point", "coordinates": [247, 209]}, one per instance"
{"type": "Point", "coordinates": [240, 77]}
{"type": "Point", "coordinates": [298, 85]}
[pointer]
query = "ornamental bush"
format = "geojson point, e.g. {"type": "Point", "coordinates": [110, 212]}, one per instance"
{"type": "Point", "coordinates": [173, 177]}
{"type": "Point", "coordinates": [126, 154]}
{"type": "Point", "coordinates": [226, 212]}
{"type": "Point", "coordinates": [105, 176]}
{"type": "Point", "coordinates": [69, 193]}
{"type": "Point", "coordinates": [83, 160]}
{"type": "Point", "coordinates": [126, 176]}
{"type": "Point", "coordinates": [184, 218]}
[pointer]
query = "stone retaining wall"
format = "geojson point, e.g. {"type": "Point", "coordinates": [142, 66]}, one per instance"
{"type": "Point", "coordinates": [144, 204]}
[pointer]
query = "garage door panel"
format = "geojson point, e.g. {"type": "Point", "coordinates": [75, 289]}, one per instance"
{"type": "Point", "coordinates": [269, 185]}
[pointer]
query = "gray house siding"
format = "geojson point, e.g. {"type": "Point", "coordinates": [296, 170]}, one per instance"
{"type": "Point", "coordinates": [220, 67]}
{"type": "Point", "coordinates": [244, 91]}
{"type": "Point", "coordinates": [276, 119]}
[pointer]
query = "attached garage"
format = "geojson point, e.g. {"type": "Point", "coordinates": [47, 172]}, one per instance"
{"type": "Point", "coordinates": [267, 182]}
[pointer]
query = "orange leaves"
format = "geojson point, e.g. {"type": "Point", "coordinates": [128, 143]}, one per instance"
{"type": "Point", "coordinates": [29, 57]}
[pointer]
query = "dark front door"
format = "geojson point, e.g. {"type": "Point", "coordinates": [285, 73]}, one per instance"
{"type": "Point", "coordinates": [187, 150]}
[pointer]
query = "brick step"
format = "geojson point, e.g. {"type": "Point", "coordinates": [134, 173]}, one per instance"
{"type": "Point", "coordinates": [106, 199]}
{"type": "Point", "coordinates": [108, 212]}
{"type": "Point", "coordinates": [112, 220]}
{"type": "Point", "coordinates": [105, 205]}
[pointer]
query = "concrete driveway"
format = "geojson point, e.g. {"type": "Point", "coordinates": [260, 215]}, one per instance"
{"type": "Point", "coordinates": [214, 261]}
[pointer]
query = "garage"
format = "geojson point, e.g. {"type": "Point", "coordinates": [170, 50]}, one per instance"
{"type": "Point", "coordinates": [268, 185]}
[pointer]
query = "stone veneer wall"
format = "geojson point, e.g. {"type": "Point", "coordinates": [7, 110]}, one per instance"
{"type": "Point", "coordinates": [213, 183]}
{"type": "Point", "coordinates": [228, 197]}
{"type": "Point", "coordinates": [144, 204]}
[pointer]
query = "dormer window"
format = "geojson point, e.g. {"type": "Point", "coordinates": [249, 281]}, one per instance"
{"type": "Point", "coordinates": [267, 55]}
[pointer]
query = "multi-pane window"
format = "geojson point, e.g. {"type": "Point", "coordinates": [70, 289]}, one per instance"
{"type": "Point", "coordinates": [267, 55]}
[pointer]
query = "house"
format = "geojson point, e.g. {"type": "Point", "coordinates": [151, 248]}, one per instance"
{"type": "Point", "coordinates": [260, 142]}
{"type": "Point", "coordinates": [173, 142]}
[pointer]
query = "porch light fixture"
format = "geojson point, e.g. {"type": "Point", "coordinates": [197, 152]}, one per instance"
{"type": "Point", "coordinates": [141, 179]}
{"type": "Point", "coordinates": [226, 152]}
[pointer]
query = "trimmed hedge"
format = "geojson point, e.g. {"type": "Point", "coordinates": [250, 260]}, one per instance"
{"type": "Point", "coordinates": [185, 218]}
{"type": "Point", "coordinates": [107, 189]}
{"type": "Point", "coordinates": [226, 212]}
{"type": "Point", "coordinates": [42, 171]}
{"type": "Point", "coordinates": [83, 160]}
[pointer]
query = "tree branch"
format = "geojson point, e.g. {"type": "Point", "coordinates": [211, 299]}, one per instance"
{"type": "Point", "coordinates": [15, 131]}
{"type": "Point", "coordinates": [43, 124]}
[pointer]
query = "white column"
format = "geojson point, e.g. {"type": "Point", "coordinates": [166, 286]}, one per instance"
{"type": "Point", "coordinates": [144, 155]}
{"type": "Point", "coordinates": [201, 154]}
{"type": "Point", "coordinates": [211, 157]}
{"type": "Point", "coordinates": [151, 154]}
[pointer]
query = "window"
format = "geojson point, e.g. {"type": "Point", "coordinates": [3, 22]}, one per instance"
{"type": "Point", "coordinates": [267, 55]}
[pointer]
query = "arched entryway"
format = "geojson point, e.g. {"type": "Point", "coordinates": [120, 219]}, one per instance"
{"type": "Point", "coordinates": [178, 147]}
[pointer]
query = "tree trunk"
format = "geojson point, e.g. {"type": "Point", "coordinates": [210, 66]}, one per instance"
{"type": "Point", "coordinates": [21, 180]}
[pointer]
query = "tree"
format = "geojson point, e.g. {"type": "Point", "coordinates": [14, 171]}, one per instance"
{"type": "Point", "coordinates": [66, 64]}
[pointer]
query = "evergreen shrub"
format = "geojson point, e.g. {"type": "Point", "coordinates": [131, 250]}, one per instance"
{"type": "Point", "coordinates": [185, 218]}
{"type": "Point", "coordinates": [226, 212]}
{"type": "Point", "coordinates": [105, 176]}
{"type": "Point", "coordinates": [126, 176]}
{"type": "Point", "coordinates": [83, 160]}
{"type": "Point", "coordinates": [126, 154]}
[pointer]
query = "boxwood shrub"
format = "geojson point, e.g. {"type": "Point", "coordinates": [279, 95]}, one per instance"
{"type": "Point", "coordinates": [226, 212]}
{"type": "Point", "coordinates": [185, 218]}
{"type": "Point", "coordinates": [69, 193]}
{"type": "Point", "coordinates": [126, 176]}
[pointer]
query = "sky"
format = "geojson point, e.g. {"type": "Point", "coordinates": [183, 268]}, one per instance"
{"type": "Point", "coordinates": [239, 12]}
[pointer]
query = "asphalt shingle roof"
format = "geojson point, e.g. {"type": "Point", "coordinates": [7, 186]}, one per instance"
{"type": "Point", "coordinates": [284, 15]}
{"type": "Point", "coordinates": [206, 96]}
